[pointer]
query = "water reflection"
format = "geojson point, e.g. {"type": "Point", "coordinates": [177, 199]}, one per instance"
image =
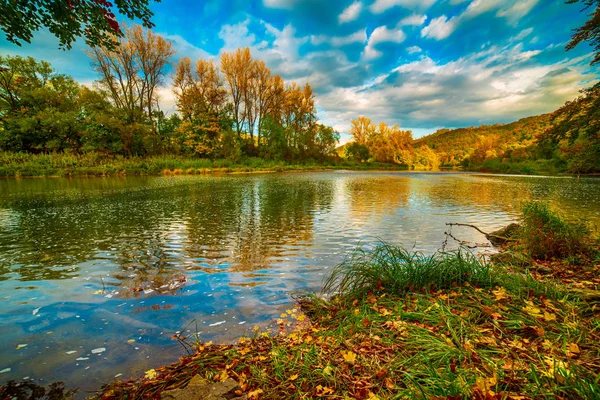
{"type": "Point", "coordinates": [123, 263]}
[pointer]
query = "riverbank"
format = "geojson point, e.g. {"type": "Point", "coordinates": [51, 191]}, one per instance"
{"type": "Point", "coordinates": [404, 325]}
{"type": "Point", "coordinates": [96, 164]}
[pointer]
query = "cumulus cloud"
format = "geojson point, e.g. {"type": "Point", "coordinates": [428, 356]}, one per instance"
{"type": "Point", "coordinates": [382, 34]}
{"type": "Point", "coordinates": [439, 28]}
{"type": "Point", "coordinates": [351, 12]}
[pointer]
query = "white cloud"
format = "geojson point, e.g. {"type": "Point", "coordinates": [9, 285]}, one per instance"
{"type": "Point", "coordinates": [236, 36]}
{"type": "Point", "coordinates": [413, 20]}
{"type": "Point", "coordinates": [414, 49]}
{"type": "Point", "coordinates": [439, 28]}
{"type": "Point", "coordinates": [518, 10]}
{"type": "Point", "coordinates": [380, 6]}
{"type": "Point", "coordinates": [356, 37]}
{"type": "Point", "coordinates": [351, 12]}
{"type": "Point", "coordinates": [382, 34]}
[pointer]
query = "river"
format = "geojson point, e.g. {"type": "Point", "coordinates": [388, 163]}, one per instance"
{"type": "Point", "coordinates": [98, 274]}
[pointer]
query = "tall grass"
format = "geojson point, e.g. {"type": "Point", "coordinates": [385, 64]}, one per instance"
{"type": "Point", "coordinates": [545, 234]}
{"type": "Point", "coordinates": [399, 270]}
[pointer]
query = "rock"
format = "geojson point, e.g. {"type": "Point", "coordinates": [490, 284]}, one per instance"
{"type": "Point", "coordinates": [510, 258]}
{"type": "Point", "coordinates": [201, 389]}
{"type": "Point", "coordinates": [503, 235]}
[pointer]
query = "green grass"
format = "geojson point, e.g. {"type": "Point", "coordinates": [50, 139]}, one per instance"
{"type": "Point", "coordinates": [399, 270]}
{"type": "Point", "coordinates": [97, 164]}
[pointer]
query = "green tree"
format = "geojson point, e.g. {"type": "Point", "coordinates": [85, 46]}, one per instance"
{"type": "Point", "coordinates": [68, 20]}
{"type": "Point", "coordinates": [357, 152]}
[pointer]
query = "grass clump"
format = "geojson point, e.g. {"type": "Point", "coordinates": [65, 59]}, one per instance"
{"type": "Point", "coordinates": [545, 234]}
{"type": "Point", "coordinates": [399, 270]}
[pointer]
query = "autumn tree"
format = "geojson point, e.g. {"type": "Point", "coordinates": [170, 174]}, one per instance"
{"type": "Point", "coordinates": [201, 99]}
{"type": "Point", "coordinates": [361, 130]}
{"type": "Point", "coordinates": [236, 68]}
{"type": "Point", "coordinates": [132, 72]}
{"type": "Point", "coordinates": [386, 144]}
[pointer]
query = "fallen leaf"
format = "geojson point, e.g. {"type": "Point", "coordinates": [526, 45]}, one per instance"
{"type": "Point", "coordinates": [572, 350]}
{"type": "Point", "coordinates": [327, 370]}
{"type": "Point", "coordinates": [150, 374]}
{"type": "Point", "coordinates": [293, 377]}
{"type": "Point", "coordinates": [389, 383]}
{"type": "Point", "coordinates": [549, 316]}
{"type": "Point", "coordinates": [349, 357]}
{"type": "Point", "coordinates": [223, 376]}
{"type": "Point", "coordinates": [254, 394]}
{"type": "Point", "coordinates": [500, 294]}
{"type": "Point", "coordinates": [20, 346]}
{"type": "Point", "coordinates": [323, 390]}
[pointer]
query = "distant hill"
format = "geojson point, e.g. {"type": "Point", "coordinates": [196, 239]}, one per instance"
{"type": "Point", "coordinates": [475, 144]}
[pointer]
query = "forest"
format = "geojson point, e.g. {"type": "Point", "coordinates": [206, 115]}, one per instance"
{"type": "Point", "coordinates": [230, 109]}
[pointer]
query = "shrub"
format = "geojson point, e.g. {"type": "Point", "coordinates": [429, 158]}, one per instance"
{"type": "Point", "coordinates": [545, 234]}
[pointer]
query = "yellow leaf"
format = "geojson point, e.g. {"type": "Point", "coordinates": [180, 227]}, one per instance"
{"type": "Point", "coordinates": [99, 292]}
{"type": "Point", "coordinates": [244, 351]}
{"type": "Point", "coordinates": [549, 316]}
{"type": "Point", "coordinates": [349, 356]}
{"type": "Point", "coordinates": [254, 394]}
{"type": "Point", "coordinates": [131, 341]}
{"type": "Point", "coordinates": [500, 294]}
{"type": "Point", "coordinates": [293, 377]}
{"type": "Point", "coordinates": [572, 349]}
{"type": "Point", "coordinates": [323, 390]}
{"type": "Point", "coordinates": [151, 374]}
{"type": "Point", "coordinates": [532, 310]}
{"type": "Point", "coordinates": [327, 370]}
{"type": "Point", "coordinates": [223, 376]}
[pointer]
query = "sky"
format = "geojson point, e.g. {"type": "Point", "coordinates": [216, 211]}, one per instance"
{"type": "Point", "coordinates": [421, 64]}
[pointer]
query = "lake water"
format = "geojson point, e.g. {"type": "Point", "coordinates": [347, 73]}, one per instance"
{"type": "Point", "coordinates": [223, 253]}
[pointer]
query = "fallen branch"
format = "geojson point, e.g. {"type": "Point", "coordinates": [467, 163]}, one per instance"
{"type": "Point", "coordinates": [489, 236]}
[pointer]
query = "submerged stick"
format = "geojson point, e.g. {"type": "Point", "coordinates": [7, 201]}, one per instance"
{"type": "Point", "coordinates": [488, 236]}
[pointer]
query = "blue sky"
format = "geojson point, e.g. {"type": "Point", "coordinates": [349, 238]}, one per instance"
{"type": "Point", "coordinates": [422, 64]}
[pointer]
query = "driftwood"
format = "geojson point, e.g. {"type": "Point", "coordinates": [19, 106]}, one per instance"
{"type": "Point", "coordinates": [494, 237]}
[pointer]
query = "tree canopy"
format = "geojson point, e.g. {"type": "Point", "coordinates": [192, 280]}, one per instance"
{"type": "Point", "coordinates": [590, 31]}
{"type": "Point", "coordinates": [70, 19]}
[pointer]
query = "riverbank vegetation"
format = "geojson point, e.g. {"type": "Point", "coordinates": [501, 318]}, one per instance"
{"type": "Point", "coordinates": [400, 324]}
{"type": "Point", "coordinates": [98, 164]}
